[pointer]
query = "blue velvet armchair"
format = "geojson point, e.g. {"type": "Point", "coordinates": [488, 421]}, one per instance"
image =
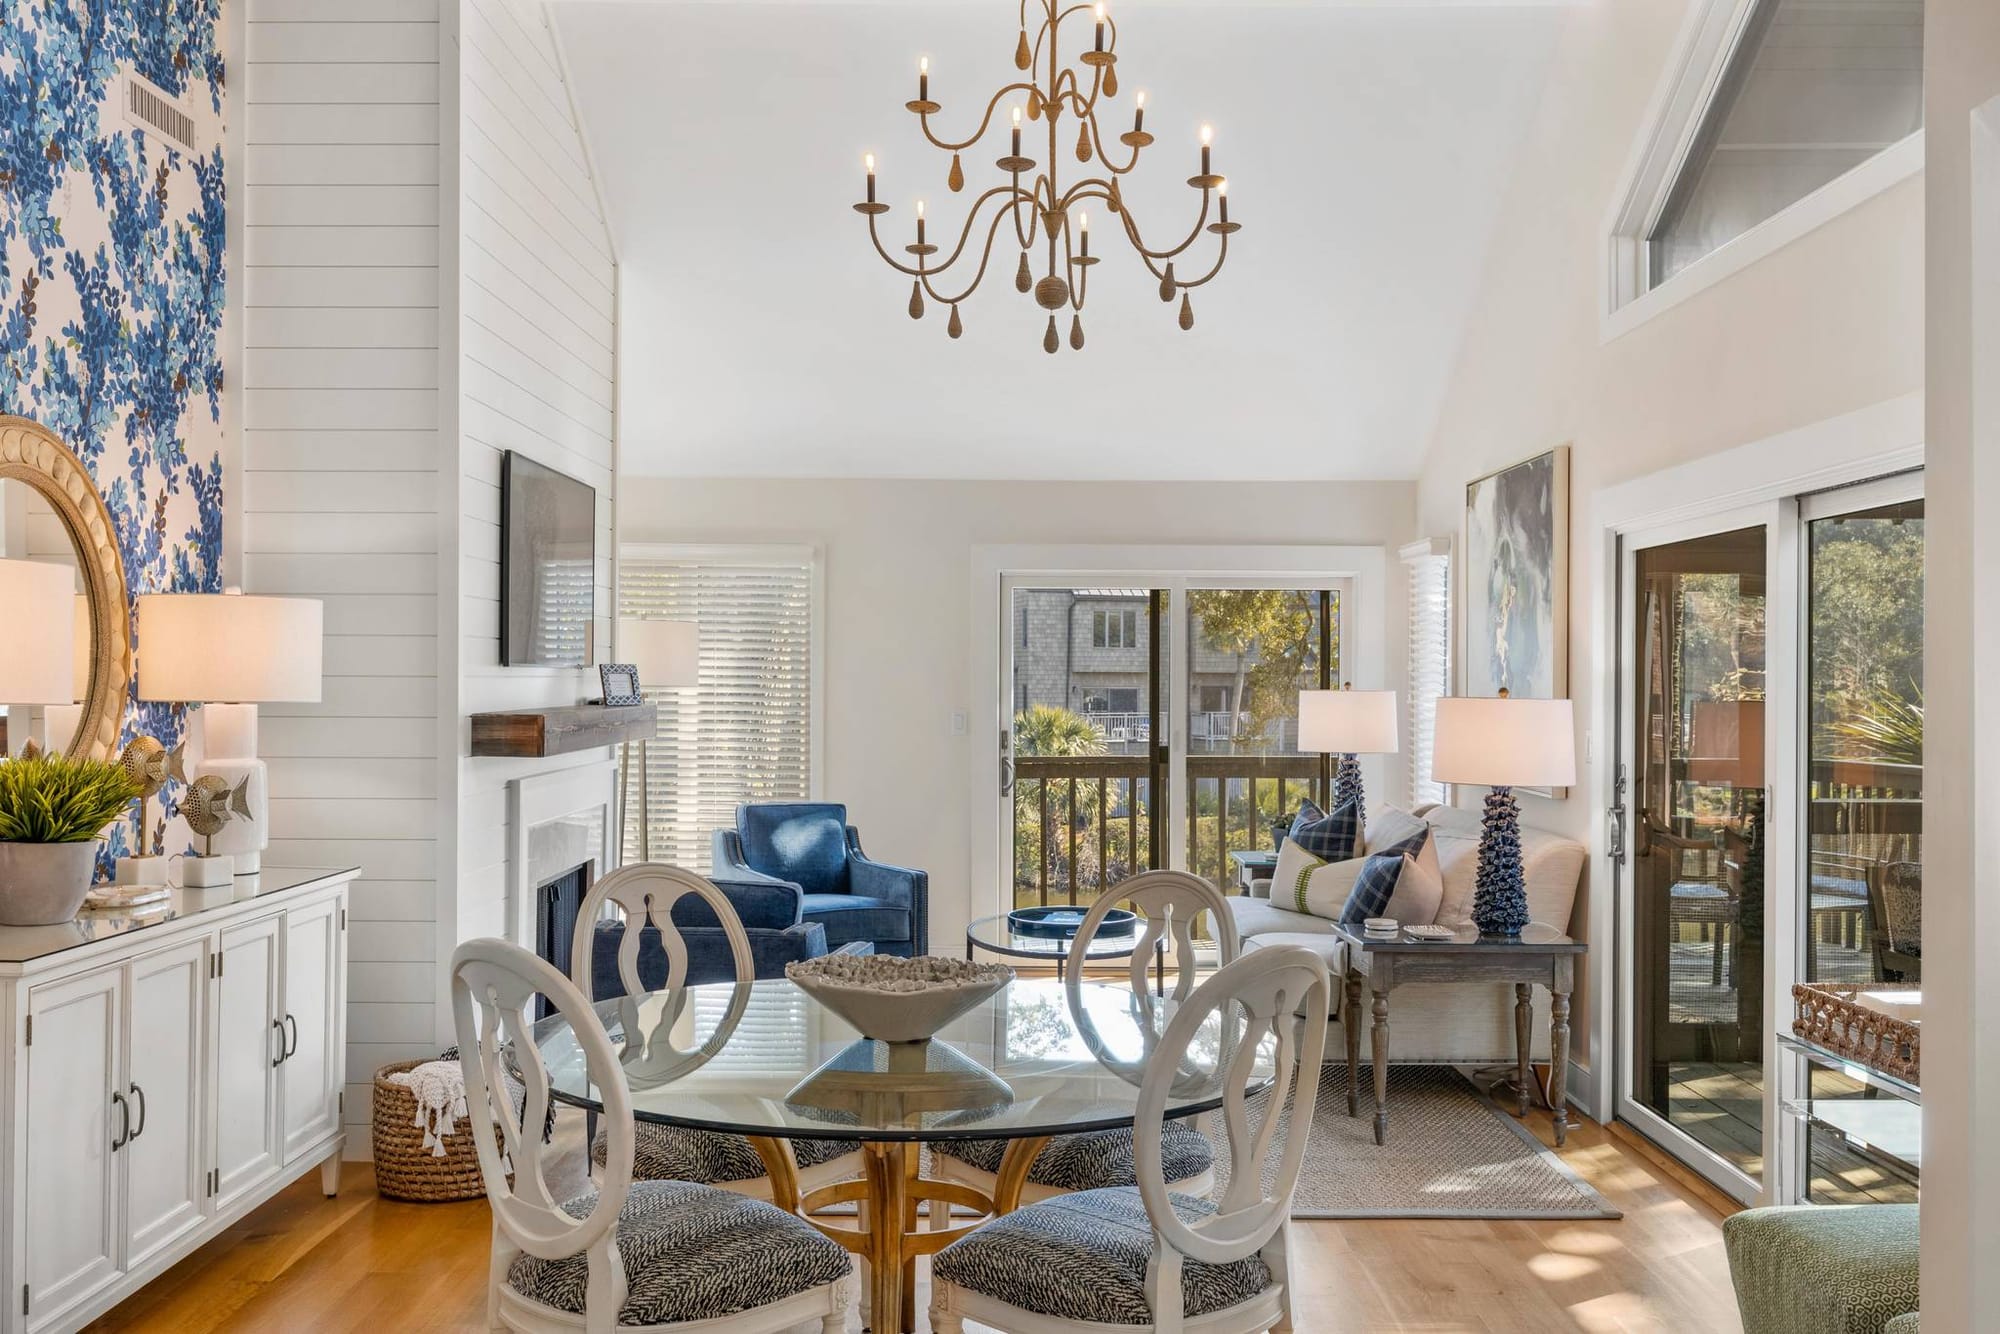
{"type": "Point", "coordinates": [770, 919]}
{"type": "Point", "coordinates": [808, 853]}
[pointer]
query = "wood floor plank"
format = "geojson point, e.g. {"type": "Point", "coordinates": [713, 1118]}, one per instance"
{"type": "Point", "coordinates": [360, 1264]}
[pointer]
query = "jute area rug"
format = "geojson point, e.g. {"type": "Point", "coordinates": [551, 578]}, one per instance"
{"type": "Point", "coordinates": [1452, 1153]}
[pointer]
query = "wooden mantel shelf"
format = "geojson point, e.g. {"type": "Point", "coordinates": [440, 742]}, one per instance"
{"type": "Point", "coordinates": [534, 733]}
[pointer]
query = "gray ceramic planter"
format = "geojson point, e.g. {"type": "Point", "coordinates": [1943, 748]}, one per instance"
{"type": "Point", "coordinates": [43, 884]}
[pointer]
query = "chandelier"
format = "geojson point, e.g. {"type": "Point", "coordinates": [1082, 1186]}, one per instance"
{"type": "Point", "coordinates": [1048, 220]}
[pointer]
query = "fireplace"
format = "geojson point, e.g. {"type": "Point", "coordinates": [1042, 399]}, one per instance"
{"type": "Point", "coordinates": [560, 830]}
{"type": "Point", "coordinates": [556, 904]}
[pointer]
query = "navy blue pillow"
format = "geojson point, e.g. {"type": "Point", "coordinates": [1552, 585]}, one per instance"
{"type": "Point", "coordinates": [1376, 884]}
{"type": "Point", "coordinates": [1332, 838]}
{"type": "Point", "coordinates": [1306, 814]}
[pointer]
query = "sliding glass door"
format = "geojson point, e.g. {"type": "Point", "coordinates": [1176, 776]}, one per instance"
{"type": "Point", "coordinates": [1154, 725]}
{"type": "Point", "coordinates": [1769, 794]}
{"type": "Point", "coordinates": [1699, 651]}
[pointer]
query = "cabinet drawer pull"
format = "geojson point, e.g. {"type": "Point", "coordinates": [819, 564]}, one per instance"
{"type": "Point", "coordinates": [279, 1025]}
{"type": "Point", "coordinates": [124, 1135]}
{"type": "Point", "coordinates": [139, 1095]}
{"type": "Point", "coordinates": [292, 1046]}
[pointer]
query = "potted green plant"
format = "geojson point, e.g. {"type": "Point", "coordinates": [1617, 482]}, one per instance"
{"type": "Point", "coordinates": [51, 812]}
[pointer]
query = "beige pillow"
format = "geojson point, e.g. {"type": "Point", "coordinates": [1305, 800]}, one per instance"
{"type": "Point", "coordinates": [1419, 889]}
{"type": "Point", "coordinates": [1327, 887]}
{"type": "Point", "coordinates": [1288, 881]}
{"type": "Point", "coordinates": [1389, 826]}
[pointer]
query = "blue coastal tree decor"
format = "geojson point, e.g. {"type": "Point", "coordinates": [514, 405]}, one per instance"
{"type": "Point", "coordinates": [111, 293]}
{"type": "Point", "coordinates": [1347, 782]}
{"type": "Point", "coordinates": [1503, 743]}
{"type": "Point", "coordinates": [1499, 890]}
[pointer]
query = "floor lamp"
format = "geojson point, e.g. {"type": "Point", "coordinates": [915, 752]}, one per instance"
{"type": "Point", "coordinates": [667, 655]}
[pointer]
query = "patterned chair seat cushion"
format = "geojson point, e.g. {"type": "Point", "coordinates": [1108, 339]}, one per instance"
{"type": "Point", "coordinates": [672, 1153]}
{"type": "Point", "coordinates": [1822, 1269]}
{"type": "Point", "coordinates": [1097, 1158]}
{"type": "Point", "coordinates": [691, 1252]}
{"type": "Point", "coordinates": [1083, 1257]}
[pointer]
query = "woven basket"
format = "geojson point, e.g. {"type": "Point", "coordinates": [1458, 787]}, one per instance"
{"type": "Point", "coordinates": [404, 1168]}
{"type": "Point", "coordinates": [1828, 1016]}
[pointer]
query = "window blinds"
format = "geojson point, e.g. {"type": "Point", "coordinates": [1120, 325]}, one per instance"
{"type": "Point", "coordinates": [745, 733]}
{"type": "Point", "coordinates": [1430, 661]}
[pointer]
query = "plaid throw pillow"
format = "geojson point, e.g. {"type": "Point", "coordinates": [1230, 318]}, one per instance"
{"type": "Point", "coordinates": [1306, 814]}
{"type": "Point", "coordinates": [1332, 838]}
{"type": "Point", "coordinates": [1376, 884]}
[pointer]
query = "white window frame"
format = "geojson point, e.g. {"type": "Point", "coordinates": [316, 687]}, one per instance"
{"type": "Point", "coordinates": [1702, 54]}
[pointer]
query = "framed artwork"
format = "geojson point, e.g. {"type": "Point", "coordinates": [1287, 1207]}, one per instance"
{"type": "Point", "coordinates": [1514, 621]}
{"type": "Point", "coordinates": [621, 684]}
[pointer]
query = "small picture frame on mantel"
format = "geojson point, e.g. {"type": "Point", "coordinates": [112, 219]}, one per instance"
{"type": "Point", "coordinates": [621, 684]}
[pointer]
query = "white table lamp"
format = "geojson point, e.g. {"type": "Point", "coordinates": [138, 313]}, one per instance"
{"type": "Point", "coordinates": [1348, 723]}
{"type": "Point", "coordinates": [667, 655]}
{"type": "Point", "coordinates": [38, 658]}
{"type": "Point", "coordinates": [230, 652]}
{"type": "Point", "coordinates": [1503, 743]}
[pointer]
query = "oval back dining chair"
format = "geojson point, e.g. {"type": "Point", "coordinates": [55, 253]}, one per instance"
{"type": "Point", "coordinates": [1171, 903]}
{"type": "Point", "coordinates": [1144, 1257]}
{"type": "Point", "coordinates": [645, 896]}
{"type": "Point", "coordinates": [660, 1255]}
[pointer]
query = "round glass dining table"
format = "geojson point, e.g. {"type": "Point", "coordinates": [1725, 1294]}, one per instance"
{"type": "Point", "coordinates": [766, 1061]}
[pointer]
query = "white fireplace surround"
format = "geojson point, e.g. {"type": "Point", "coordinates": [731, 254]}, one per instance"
{"type": "Point", "coordinates": [555, 823]}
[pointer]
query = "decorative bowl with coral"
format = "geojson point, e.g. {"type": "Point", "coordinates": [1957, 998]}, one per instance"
{"type": "Point", "coordinates": [892, 999]}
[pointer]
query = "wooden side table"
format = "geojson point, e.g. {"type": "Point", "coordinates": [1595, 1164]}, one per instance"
{"type": "Point", "coordinates": [1540, 955]}
{"type": "Point", "coordinates": [1251, 866]}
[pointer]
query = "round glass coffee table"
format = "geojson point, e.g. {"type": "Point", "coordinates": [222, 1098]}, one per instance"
{"type": "Point", "coordinates": [996, 936]}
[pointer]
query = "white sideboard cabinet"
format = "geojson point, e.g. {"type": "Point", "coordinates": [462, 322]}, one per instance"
{"type": "Point", "coordinates": [168, 1069]}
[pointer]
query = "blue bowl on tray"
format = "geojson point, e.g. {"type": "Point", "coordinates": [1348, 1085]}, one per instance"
{"type": "Point", "coordinates": [1061, 923]}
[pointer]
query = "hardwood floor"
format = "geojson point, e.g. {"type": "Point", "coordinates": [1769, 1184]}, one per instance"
{"type": "Point", "coordinates": [306, 1263]}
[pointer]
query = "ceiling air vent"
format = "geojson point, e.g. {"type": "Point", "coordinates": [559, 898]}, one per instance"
{"type": "Point", "coordinates": [148, 107]}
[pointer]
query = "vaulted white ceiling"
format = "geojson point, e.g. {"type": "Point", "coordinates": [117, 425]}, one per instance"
{"type": "Point", "coordinates": [1367, 147]}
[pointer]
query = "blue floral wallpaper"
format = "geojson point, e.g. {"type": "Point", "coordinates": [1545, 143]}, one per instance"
{"type": "Point", "coordinates": [111, 283]}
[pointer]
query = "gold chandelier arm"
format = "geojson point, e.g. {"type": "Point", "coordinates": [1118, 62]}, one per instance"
{"type": "Point", "coordinates": [985, 121]}
{"type": "Point", "coordinates": [965, 233]}
{"type": "Point", "coordinates": [1221, 254]}
{"type": "Point", "coordinates": [1097, 140]}
{"type": "Point", "coordinates": [1194, 234]}
{"type": "Point", "coordinates": [985, 258]}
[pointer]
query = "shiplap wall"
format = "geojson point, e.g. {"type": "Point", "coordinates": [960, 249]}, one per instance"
{"type": "Point", "coordinates": [537, 290]}
{"type": "Point", "coordinates": [341, 474]}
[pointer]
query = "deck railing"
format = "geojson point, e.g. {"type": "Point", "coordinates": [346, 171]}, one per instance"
{"type": "Point", "coordinates": [1084, 823]}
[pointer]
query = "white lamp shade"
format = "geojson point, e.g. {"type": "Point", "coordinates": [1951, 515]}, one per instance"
{"type": "Point", "coordinates": [38, 653]}
{"type": "Point", "coordinates": [1348, 722]}
{"type": "Point", "coordinates": [229, 647]}
{"type": "Point", "coordinates": [667, 653]}
{"type": "Point", "coordinates": [1504, 742]}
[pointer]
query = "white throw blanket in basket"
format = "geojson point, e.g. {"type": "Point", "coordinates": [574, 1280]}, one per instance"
{"type": "Point", "coordinates": [438, 1089]}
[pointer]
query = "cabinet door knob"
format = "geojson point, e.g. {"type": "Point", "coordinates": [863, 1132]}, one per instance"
{"type": "Point", "coordinates": [124, 1135]}
{"type": "Point", "coordinates": [139, 1094]}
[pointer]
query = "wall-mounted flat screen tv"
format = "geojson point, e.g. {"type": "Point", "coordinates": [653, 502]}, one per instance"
{"type": "Point", "coordinates": [548, 565]}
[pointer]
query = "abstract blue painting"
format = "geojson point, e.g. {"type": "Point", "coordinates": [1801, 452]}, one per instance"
{"type": "Point", "coordinates": [111, 285]}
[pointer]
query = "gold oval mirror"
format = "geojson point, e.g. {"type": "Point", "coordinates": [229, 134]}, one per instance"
{"type": "Point", "coordinates": [31, 456]}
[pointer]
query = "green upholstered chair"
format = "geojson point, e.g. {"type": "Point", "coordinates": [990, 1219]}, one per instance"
{"type": "Point", "coordinates": [1905, 1323]}
{"type": "Point", "coordinates": [1810, 1269]}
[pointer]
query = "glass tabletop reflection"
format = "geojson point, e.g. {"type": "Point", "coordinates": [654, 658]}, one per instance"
{"type": "Point", "coordinates": [764, 1058]}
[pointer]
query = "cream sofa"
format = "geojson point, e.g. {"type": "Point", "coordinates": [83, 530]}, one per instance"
{"type": "Point", "coordinates": [1433, 1022]}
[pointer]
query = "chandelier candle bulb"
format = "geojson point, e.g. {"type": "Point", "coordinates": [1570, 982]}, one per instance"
{"type": "Point", "coordinates": [924, 79]}
{"type": "Point", "coordinates": [1139, 115]}
{"type": "Point", "coordinates": [1100, 27]}
{"type": "Point", "coordinates": [1222, 193]}
{"type": "Point", "coordinates": [869, 163]}
{"type": "Point", "coordinates": [1017, 131]}
{"type": "Point", "coordinates": [1207, 137]}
